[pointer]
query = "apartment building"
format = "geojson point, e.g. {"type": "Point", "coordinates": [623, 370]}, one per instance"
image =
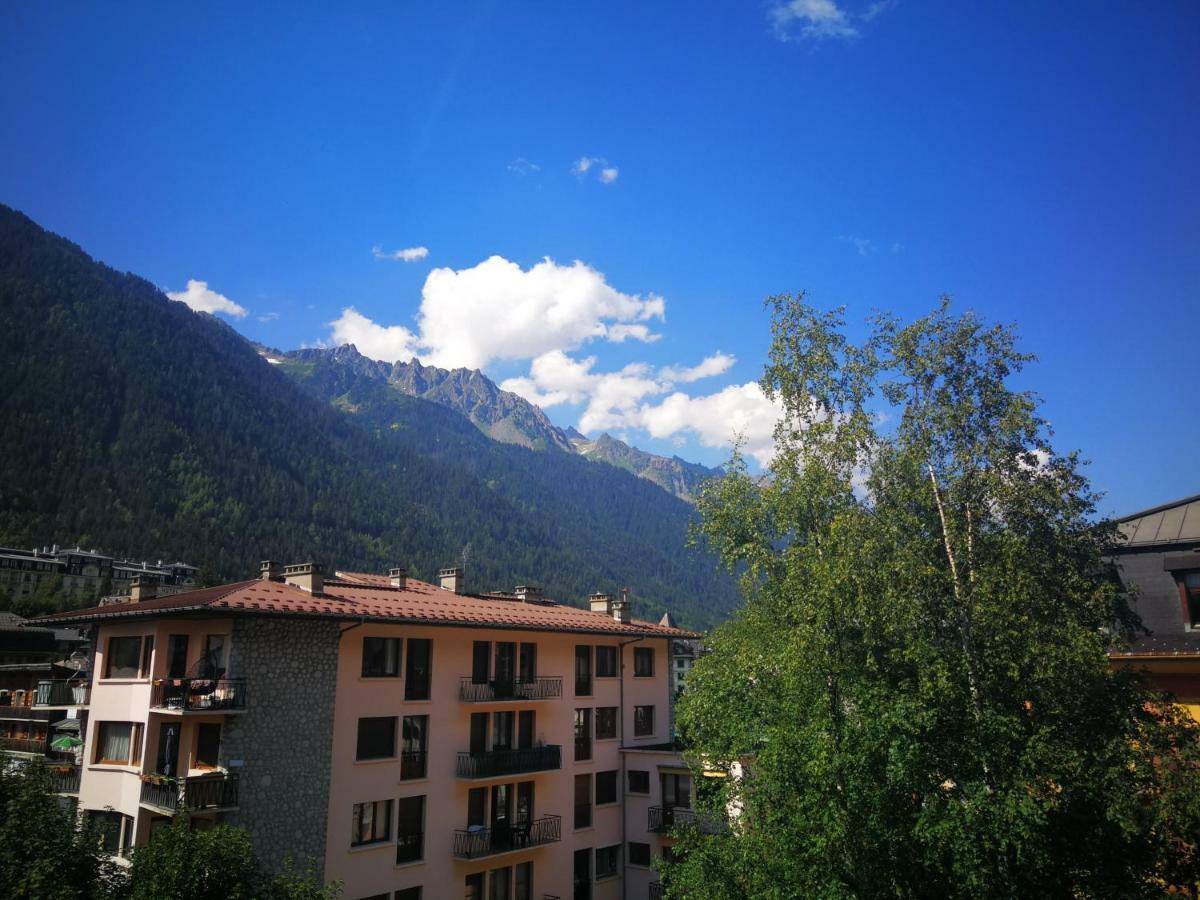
{"type": "Point", "coordinates": [416, 740]}
{"type": "Point", "coordinates": [85, 574]}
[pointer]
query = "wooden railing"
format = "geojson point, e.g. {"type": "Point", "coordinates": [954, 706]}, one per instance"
{"type": "Point", "coordinates": [471, 691]}
{"type": "Point", "coordinates": [509, 762]}
{"type": "Point", "coordinates": [217, 791]}
{"type": "Point", "coordinates": [66, 692]}
{"type": "Point", "coordinates": [474, 843]}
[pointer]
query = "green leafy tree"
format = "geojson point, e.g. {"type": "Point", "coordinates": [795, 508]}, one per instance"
{"type": "Point", "coordinates": [302, 884]}
{"type": "Point", "coordinates": [45, 853]}
{"type": "Point", "coordinates": [915, 700]}
{"type": "Point", "coordinates": [193, 864]}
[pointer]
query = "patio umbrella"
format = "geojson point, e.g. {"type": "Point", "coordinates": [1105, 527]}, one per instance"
{"type": "Point", "coordinates": [66, 742]}
{"type": "Point", "coordinates": [169, 751]}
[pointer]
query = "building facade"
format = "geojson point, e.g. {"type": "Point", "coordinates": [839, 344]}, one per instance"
{"type": "Point", "coordinates": [86, 574]}
{"type": "Point", "coordinates": [416, 741]}
{"type": "Point", "coordinates": [1160, 559]}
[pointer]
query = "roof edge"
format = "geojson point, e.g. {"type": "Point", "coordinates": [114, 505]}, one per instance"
{"type": "Point", "coordinates": [1157, 509]}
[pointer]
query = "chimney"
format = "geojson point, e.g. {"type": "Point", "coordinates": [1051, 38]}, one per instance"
{"type": "Point", "coordinates": [528, 592]}
{"type": "Point", "coordinates": [600, 603]}
{"type": "Point", "coordinates": [270, 570]}
{"type": "Point", "coordinates": [398, 577]}
{"type": "Point", "coordinates": [452, 580]}
{"type": "Point", "coordinates": [622, 609]}
{"type": "Point", "coordinates": [143, 587]}
{"type": "Point", "coordinates": [308, 576]}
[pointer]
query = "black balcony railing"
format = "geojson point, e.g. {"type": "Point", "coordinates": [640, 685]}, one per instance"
{"type": "Point", "coordinates": [61, 693]}
{"type": "Point", "coordinates": [509, 762]}
{"type": "Point", "coordinates": [663, 819]}
{"type": "Point", "coordinates": [413, 764]}
{"type": "Point", "coordinates": [64, 779]}
{"type": "Point", "coordinates": [472, 691]}
{"type": "Point", "coordinates": [217, 791]}
{"type": "Point", "coordinates": [656, 891]}
{"type": "Point", "coordinates": [473, 843]}
{"type": "Point", "coordinates": [199, 694]}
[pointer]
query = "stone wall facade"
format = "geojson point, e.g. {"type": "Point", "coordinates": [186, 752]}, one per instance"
{"type": "Point", "coordinates": [281, 746]}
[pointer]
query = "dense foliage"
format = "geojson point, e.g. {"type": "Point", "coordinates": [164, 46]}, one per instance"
{"type": "Point", "coordinates": [916, 700]}
{"type": "Point", "coordinates": [132, 424]}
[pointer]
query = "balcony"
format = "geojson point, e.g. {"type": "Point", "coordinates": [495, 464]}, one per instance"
{"type": "Point", "coordinates": [663, 819]}
{"type": "Point", "coordinates": [64, 779]}
{"type": "Point", "coordinates": [509, 762]}
{"type": "Point", "coordinates": [26, 713]}
{"type": "Point", "coordinates": [471, 691]}
{"type": "Point", "coordinates": [216, 791]}
{"type": "Point", "coordinates": [478, 842]}
{"type": "Point", "coordinates": [25, 745]}
{"type": "Point", "coordinates": [203, 695]}
{"type": "Point", "coordinates": [61, 693]}
{"type": "Point", "coordinates": [656, 890]}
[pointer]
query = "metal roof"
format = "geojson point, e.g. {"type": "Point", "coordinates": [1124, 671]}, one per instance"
{"type": "Point", "coordinates": [1170, 524]}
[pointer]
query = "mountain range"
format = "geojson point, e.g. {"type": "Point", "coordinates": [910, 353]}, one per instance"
{"type": "Point", "coordinates": [130, 422]}
{"type": "Point", "coordinates": [503, 415]}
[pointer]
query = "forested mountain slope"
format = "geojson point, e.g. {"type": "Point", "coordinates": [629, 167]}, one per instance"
{"type": "Point", "coordinates": [130, 422]}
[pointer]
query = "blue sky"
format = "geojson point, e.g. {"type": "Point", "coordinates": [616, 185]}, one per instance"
{"type": "Point", "coordinates": [1038, 162]}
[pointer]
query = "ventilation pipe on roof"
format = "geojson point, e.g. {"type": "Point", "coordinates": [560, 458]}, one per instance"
{"type": "Point", "coordinates": [308, 576]}
{"type": "Point", "coordinates": [270, 571]}
{"type": "Point", "coordinates": [143, 587]}
{"type": "Point", "coordinates": [399, 577]}
{"type": "Point", "coordinates": [452, 580]}
{"type": "Point", "coordinates": [600, 603]}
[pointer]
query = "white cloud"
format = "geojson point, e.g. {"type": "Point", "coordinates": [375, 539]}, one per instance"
{"type": "Point", "coordinates": [497, 310]}
{"type": "Point", "coordinates": [864, 246]}
{"type": "Point", "coordinates": [387, 343]}
{"type": "Point", "coordinates": [408, 254]}
{"type": "Point", "coordinates": [605, 173]}
{"type": "Point", "coordinates": [202, 299]}
{"type": "Point", "coordinates": [522, 166]}
{"type": "Point", "coordinates": [716, 420]}
{"type": "Point", "coordinates": [716, 364]}
{"type": "Point", "coordinates": [819, 19]}
{"type": "Point", "coordinates": [268, 317]}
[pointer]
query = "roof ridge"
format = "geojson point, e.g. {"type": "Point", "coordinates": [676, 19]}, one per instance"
{"type": "Point", "coordinates": [1183, 501]}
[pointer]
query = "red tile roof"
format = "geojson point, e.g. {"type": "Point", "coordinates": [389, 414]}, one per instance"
{"type": "Point", "coordinates": [419, 603]}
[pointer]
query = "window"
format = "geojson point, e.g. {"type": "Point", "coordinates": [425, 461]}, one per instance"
{"type": "Point", "coordinates": [416, 672]}
{"type": "Point", "coordinates": [474, 886]}
{"type": "Point", "coordinates": [643, 662]}
{"type": "Point", "coordinates": [1191, 587]}
{"type": "Point", "coordinates": [376, 737]}
{"type": "Point", "coordinates": [583, 734]}
{"type": "Point", "coordinates": [523, 887]}
{"type": "Point", "coordinates": [177, 648]}
{"type": "Point", "coordinates": [606, 662]}
{"type": "Point", "coordinates": [124, 657]}
{"type": "Point", "coordinates": [372, 823]}
{"type": "Point", "coordinates": [208, 745]}
{"type": "Point", "coordinates": [119, 743]}
{"type": "Point", "coordinates": [606, 787]}
{"type": "Point", "coordinates": [476, 807]}
{"type": "Point", "coordinates": [410, 829]}
{"type": "Point", "coordinates": [639, 854]}
{"type": "Point", "coordinates": [381, 657]}
{"type": "Point", "coordinates": [583, 800]}
{"type": "Point", "coordinates": [481, 656]}
{"type": "Point", "coordinates": [607, 859]}
{"type": "Point", "coordinates": [606, 722]}
{"type": "Point", "coordinates": [528, 666]}
{"type": "Point", "coordinates": [643, 721]}
{"type": "Point", "coordinates": [116, 832]}
{"type": "Point", "coordinates": [583, 874]}
{"type": "Point", "coordinates": [147, 656]}
{"type": "Point", "coordinates": [502, 730]}
{"type": "Point", "coordinates": [500, 880]}
{"type": "Point", "coordinates": [676, 791]}
{"type": "Point", "coordinates": [583, 670]}
{"type": "Point", "coordinates": [412, 893]}
{"type": "Point", "coordinates": [639, 781]}
{"type": "Point", "coordinates": [415, 734]}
